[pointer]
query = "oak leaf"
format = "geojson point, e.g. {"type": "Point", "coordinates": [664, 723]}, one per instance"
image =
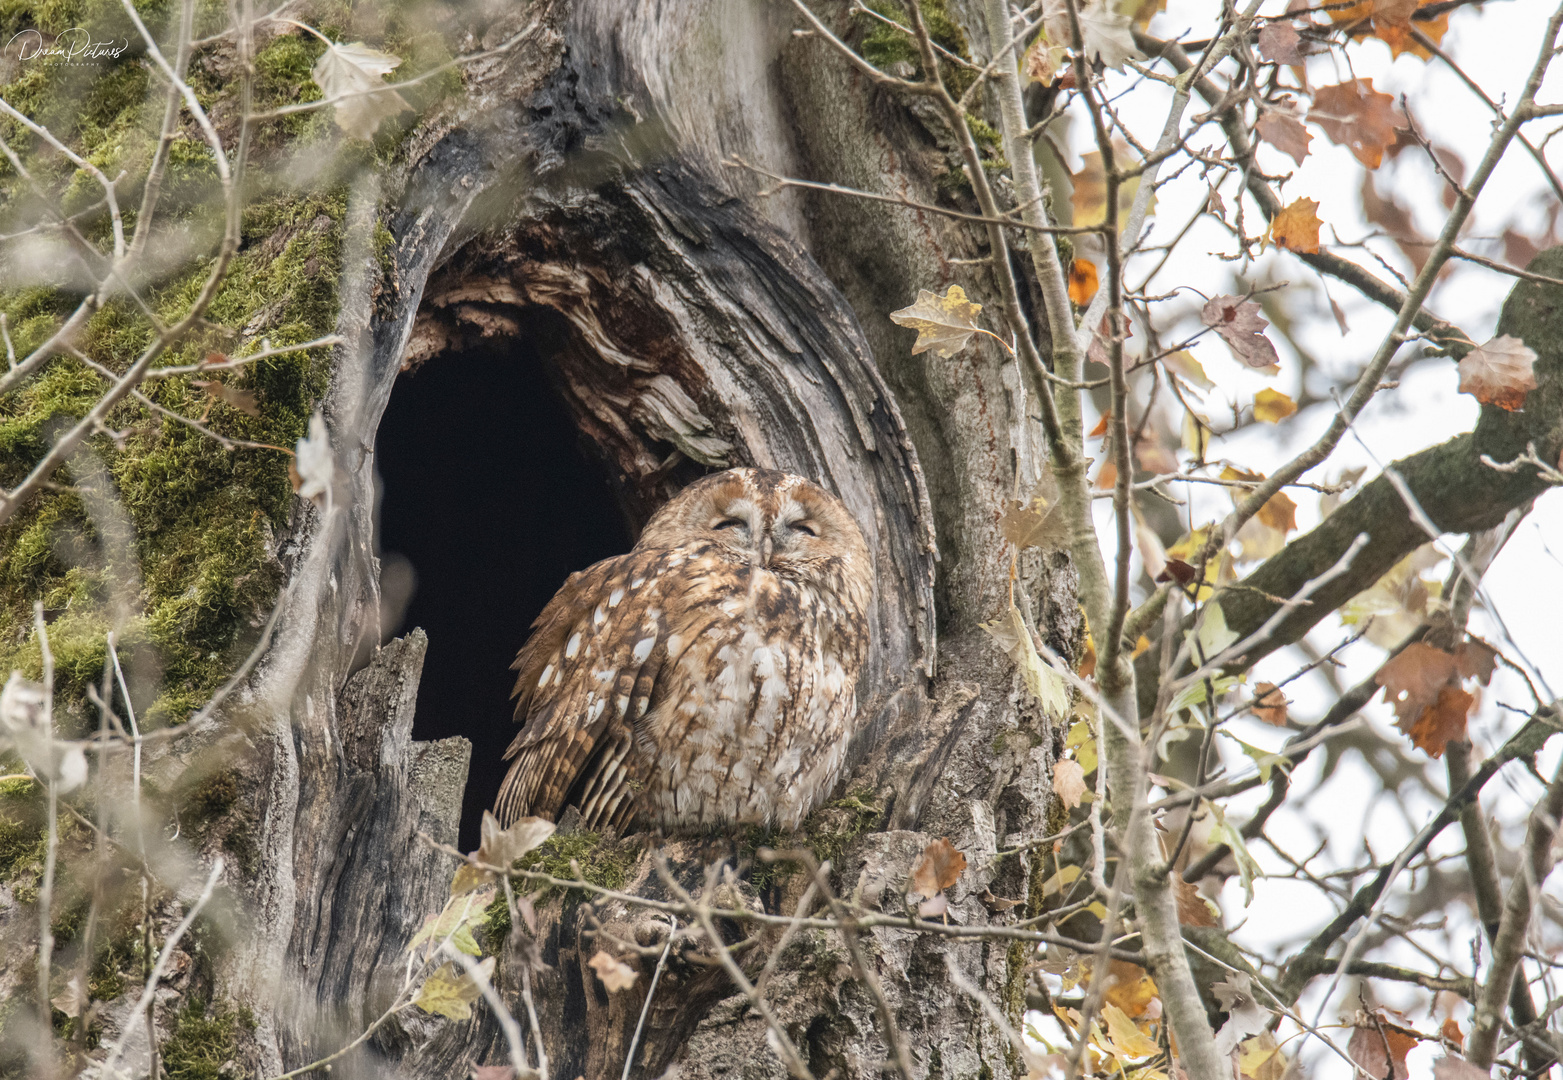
{"type": "Point", "coordinates": [1272, 406]}
{"type": "Point", "coordinates": [1269, 704]}
{"type": "Point", "coordinates": [1296, 227]}
{"type": "Point", "coordinates": [615, 974]}
{"type": "Point", "coordinates": [1241, 326]}
{"type": "Point", "coordinates": [944, 324]}
{"type": "Point", "coordinates": [1125, 1041]}
{"type": "Point", "coordinates": [1284, 132]}
{"type": "Point", "coordinates": [1501, 372]}
{"type": "Point", "coordinates": [938, 868]}
{"type": "Point", "coordinates": [1422, 683]}
{"type": "Point", "coordinates": [1443, 723]}
{"type": "Point", "coordinates": [1356, 116]}
{"type": "Point", "coordinates": [1068, 782]}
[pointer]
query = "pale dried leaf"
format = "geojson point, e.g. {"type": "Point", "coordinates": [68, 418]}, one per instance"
{"type": "Point", "coordinates": [615, 974]}
{"type": "Point", "coordinates": [1501, 372]}
{"type": "Point", "coordinates": [1068, 782]}
{"type": "Point", "coordinates": [1045, 684]}
{"type": "Point", "coordinates": [1241, 326]}
{"type": "Point", "coordinates": [354, 73]}
{"type": "Point", "coordinates": [1245, 1016]}
{"type": "Point", "coordinates": [944, 324]}
{"type": "Point", "coordinates": [1284, 132]}
{"type": "Point", "coordinates": [1454, 1067]}
{"type": "Point", "coordinates": [313, 465]}
{"type": "Point", "coordinates": [1279, 41]}
{"type": "Point", "coordinates": [450, 992]}
{"type": "Point", "coordinates": [243, 400]}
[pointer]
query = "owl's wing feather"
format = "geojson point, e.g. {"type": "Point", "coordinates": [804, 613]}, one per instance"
{"type": "Point", "coordinates": [587, 673]}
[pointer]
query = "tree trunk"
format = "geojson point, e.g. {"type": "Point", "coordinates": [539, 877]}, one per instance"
{"type": "Point", "coordinates": [578, 197]}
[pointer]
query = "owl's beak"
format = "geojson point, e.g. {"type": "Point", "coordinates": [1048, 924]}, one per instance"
{"type": "Point", "coordinates": [765, 550]}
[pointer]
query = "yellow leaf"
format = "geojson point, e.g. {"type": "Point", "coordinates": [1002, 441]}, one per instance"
{"type": "Point", "coordinates": [1090, 195]}
{"type": "Point", "coordinates": [944, 324]}
{"type": "Point", "coordinates": [1141, 647]}
{"type": "Point", "coordinates": [1065, 876]}
{"type": "Point", "coordinates": [1183, 364]}
{"type": "Point", "coordinates": [450, 992]}
{"type": "Point", "coordinates": [1260, 1058]}
{"type": "Point", "coordinates": [1272, 406]}
{"type": "Point", "coordinates": [1296, 227]}
{"type": "Point", "coordinates": [1083, 742]}
{"type": "Point", "coordinates": [1124, 1039]}
{"type": "Point", "coordinates": [1045, 684]}
{"type": "Point", "coordinates": [1130, 989]}
{"type": "Point", "coordinates": [1196, 434]}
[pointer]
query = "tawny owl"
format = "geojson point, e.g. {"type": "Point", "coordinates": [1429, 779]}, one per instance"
{"type": "Point", "coordinates": [707, 678]}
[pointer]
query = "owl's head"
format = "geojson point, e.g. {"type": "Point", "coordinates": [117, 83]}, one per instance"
{"type": "Point", "coordinates": [765, 518]}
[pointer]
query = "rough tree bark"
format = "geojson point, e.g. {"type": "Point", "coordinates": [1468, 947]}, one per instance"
{"type": "Point", "coordinates": [579, 198]}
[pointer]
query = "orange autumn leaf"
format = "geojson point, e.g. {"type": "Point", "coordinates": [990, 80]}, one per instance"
{"type": "Point", "coordinates": [1101, 425]}
{"type": "Point", "coordinates": [938, 868]}
{"type": "Point", "coordinates": [1107, 476]}
{"type": "Point", "coordinates": [1296, 227]}
{"type": "Point", "coordinates": [1444, 723]}
{"type": "Point", "coordinates": [1270, 704]}
{"type": "Point", "coordinates": [1082, 282]}
{"type": "Point", "coordinates": [1422, 683]}
{"type": "Point", "coordinates": [1280, 513]}
{"type": "Point", "coordinates": [1356, 116]}
{"type": "Point", "coordinates": [1451, 1031]}
{"type": "Point", "coordinates": [1501, 372]}
{"type": "Point", "coordinates": [1391, 22]}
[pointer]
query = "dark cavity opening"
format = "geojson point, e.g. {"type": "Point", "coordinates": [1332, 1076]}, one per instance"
{"type": "Point", "coordinates": [489, 500]}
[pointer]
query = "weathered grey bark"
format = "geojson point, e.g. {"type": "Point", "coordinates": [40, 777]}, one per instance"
{"type": "Point", "coordinates": [584, 176]}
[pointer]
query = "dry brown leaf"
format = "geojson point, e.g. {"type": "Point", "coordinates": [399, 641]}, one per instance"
{"type": "Point", "coordinates": [1356, 116]}
{"type": "Point", "coordinates": [1101, 426]}
{"type": "Point", "coordinates": [1192, 908]}
{"type": "Point", "coordinates": [1278, 42]}
{"type": "Point", "coordinates": [1380, 1048]}
{"type": "Point", "coordinates": [232, 396]}
{"type": "Point", "coordinates": [1444, 723]}
{"type": "Point", "coordinates": [1068, 782]}
{"type": "Point", "coordinates": [1089, 198]}
{"type": "Point", "coordinates": [944, 324]}
{"type": "Point", "coordinates": [1272, 406]}
{"type": "Point", "coordinates": [1082, 282]}
{"type": "Point", "coordinates": [1412, 679]}
{"type": "Point", "coordinates": [1034, 524]}
{"type": "Point", "coordinates": [1260, 1058]}
{"type": "Point", "coordinates": [1501, 372]}
{"type": "Point", "coordinates": [615, 974]}
{"type": "Point", "coordinates": [1296, 227]}
{"type": "Point", "coordinates": [996, 905]}
{"type": "Point", "coordinates": [1454, 1067]}
{"type": "Point", "coordinates": [1270, 704]}
{"type": "Point", "coordinates": [1107, 476]}
{"type": "Point", "coordinates": [938, 868]}
{"type": "Point", "coordinates": [1242, 327]}
{"type": "Point", "coordinates": [1451, 1031]}
{"type": "Point", "coordinates": [1285, 132]}
{"type": "Point", "coordinates": [1475, 659]}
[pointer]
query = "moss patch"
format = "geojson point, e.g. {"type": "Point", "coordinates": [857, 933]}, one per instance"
{"type": "Point", "coordinates": [603, 863]}
{"type": "Point", "coordinates": [884, 45]}
{"type": "Point", "coordinates": [203, 1042]}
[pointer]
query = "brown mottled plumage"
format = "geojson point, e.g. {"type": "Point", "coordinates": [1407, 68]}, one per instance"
{"type": "Point", "coordinates": [706, 678]}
